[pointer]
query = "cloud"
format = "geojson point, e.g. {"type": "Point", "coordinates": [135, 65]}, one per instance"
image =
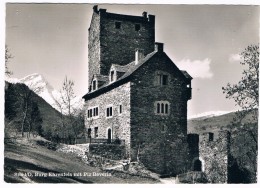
{"type": "Point", "coordinates": [234, 58]}
{"type": "Point", "coordinates": [196, 68]}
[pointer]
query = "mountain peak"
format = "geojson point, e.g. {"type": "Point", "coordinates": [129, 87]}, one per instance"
{"type": "Point", "coordinates": [47, 92]}
{"type": "Point", "coordinates": [34, 76]}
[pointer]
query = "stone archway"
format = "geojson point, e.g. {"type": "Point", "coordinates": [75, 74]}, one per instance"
{"type": "Point", "coordinates": [197, 165]}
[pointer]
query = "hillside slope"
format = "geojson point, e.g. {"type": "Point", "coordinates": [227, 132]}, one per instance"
{"type": "Point", "coordinates": [50, 116]}
{"type": "Point", "coordinates": [28, 162]}
{"type": "Point", "coordinates": [212, 124]}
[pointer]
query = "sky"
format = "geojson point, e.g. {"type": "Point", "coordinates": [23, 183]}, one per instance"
{"type": "Point", "coordinates": [205, 40]}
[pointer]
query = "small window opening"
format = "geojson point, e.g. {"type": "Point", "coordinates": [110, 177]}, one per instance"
{"type": "Point", "coordinates": [96, 132]}
{"type": "Point", "coordinates": [162, 108]}
{"type": "Point", "coordinates": [164, 80]}
{"type": "Point", "coordinates": [90, 111]}
{"type": "Point", "coordinates": [137, 27]}
{"type": "Point", "coordinates": [158, 108]}
{"type": "Point", "coordinates": [96, 111]}
{"type": "Point", "coordinates": [109, 111]}
{"type": "Point", "coordinates": [112, 76]}
{"type": "Point", "coordinates": [118, 25]}
{"type": "Point", "coordinates": [120, 109]}
{"type": "Point", "coordinates": [211, 137]}
{"type": "Point", "coordinates": [166, 108]}
{"type": "Point", "coordinates": [94, 85]}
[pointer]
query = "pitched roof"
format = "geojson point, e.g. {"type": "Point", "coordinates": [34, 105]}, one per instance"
{"type": "Point", "coordinates": [122, 68]}
{"type": "Point", "coordinates": [186, 74]}
{"type": "Point", "coordinates": [131, 69]}
{"type": "Point", "coordinates": [101, 77]}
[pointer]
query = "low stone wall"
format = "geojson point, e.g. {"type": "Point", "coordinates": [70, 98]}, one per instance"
{"type": "Point", "coordinates": [191, 178]}
{"type": "Point", "coordinates": [109, 151]}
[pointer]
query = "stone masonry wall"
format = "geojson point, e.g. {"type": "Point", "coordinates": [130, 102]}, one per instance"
{"type": "Point", "coordinates": [109, 151]}
{"type": "Point", "coordinates": [94, 46]}
{"type": "Point", "coordinates": [160, 140]}
{"type": "Point", "coordinates": [118, 45]}
{"type": "Point", "coordinates": [118, 123]}
{"type": "Point", "coordinates": [215, 156]}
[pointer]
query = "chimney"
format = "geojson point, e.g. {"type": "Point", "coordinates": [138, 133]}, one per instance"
{"type": "Point", "coordinates": [145, 14]}
{"type": "Point", "coordinates": [158, 47]}
{"type": "Point", "coordinates": [95, 8]}
{"type": "Point", "coordinates": [139, 54]}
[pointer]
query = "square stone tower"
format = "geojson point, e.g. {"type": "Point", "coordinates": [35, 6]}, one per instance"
{"type": "Point", "coordinates": [113, 39]}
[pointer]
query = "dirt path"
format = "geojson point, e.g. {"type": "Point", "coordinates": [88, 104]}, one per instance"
{"type": "Point", "coordinates": [24, 163]}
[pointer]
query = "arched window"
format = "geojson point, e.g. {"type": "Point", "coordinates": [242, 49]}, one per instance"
{"type": "Point", "coordinates": [162, 108]}
{"type": "Point", "coordinates": [166, 108]}
{"type": "Point", "coordinates": [158, 108]}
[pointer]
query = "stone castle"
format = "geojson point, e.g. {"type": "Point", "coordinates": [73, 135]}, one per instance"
{"type": "Point", "coordinates": [138, 98]}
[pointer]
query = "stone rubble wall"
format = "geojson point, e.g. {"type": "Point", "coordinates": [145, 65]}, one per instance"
{"type": "Point", "coordinates": [161, 140]}
{"type": "Point", "coordinates": [118, 123]}
{"type": "Point", "coordinates": [215, 155]}
{"type": "Point", "coordinates": [109, 151]}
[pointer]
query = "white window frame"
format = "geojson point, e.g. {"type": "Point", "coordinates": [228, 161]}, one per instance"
{"type": "Point", "coordinates": [162, 112]}
{"type": "Point", "coordinates": [93, 108]}
{"type": "Point", "coordinates": [109, 106]}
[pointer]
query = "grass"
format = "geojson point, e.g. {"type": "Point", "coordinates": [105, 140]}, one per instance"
{"type": "Point", "coordinates": [27, 162]}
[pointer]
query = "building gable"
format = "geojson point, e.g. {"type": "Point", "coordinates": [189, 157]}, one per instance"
{"type": "Point", "coordinates": [133, 68]}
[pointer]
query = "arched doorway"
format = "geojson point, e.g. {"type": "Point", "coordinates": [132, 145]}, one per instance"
{"type": "Point", "coordinates": [197, 165]}
{"type": "Point", "coordinates": [109, 135]}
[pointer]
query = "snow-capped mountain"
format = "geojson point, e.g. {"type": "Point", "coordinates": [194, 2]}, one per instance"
{"type": "Point", "coordinates": [40, 86]}
{"type": "Point", "coordinates": [209, 114]}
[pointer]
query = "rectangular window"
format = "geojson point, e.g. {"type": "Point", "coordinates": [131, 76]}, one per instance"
{"type": "Point", "coordinates": [211, 137]}
{"type": "Point", "coordinates": [164, 80]}
{"type": "Point", "coordinates": [96, 132]}
{"type": "Point", "coordinates": [93, 112]}
{"type": "Point", "coordinates": [120, 109]}
{"type": "Point", "coordinates": [109, 111]}
{"type": "Point", "coordinates": [96, 111]}
{"type": "Point", "coordinates": [137, 27]}
{"type": "Point", "coordinates": [118, 25]}
{"type": "Point", "coordinates": [90, 113]}
{"type": "Point", "coordinates": [112, 76]}
{"type": "Point", "coordinates": [94, 85]}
